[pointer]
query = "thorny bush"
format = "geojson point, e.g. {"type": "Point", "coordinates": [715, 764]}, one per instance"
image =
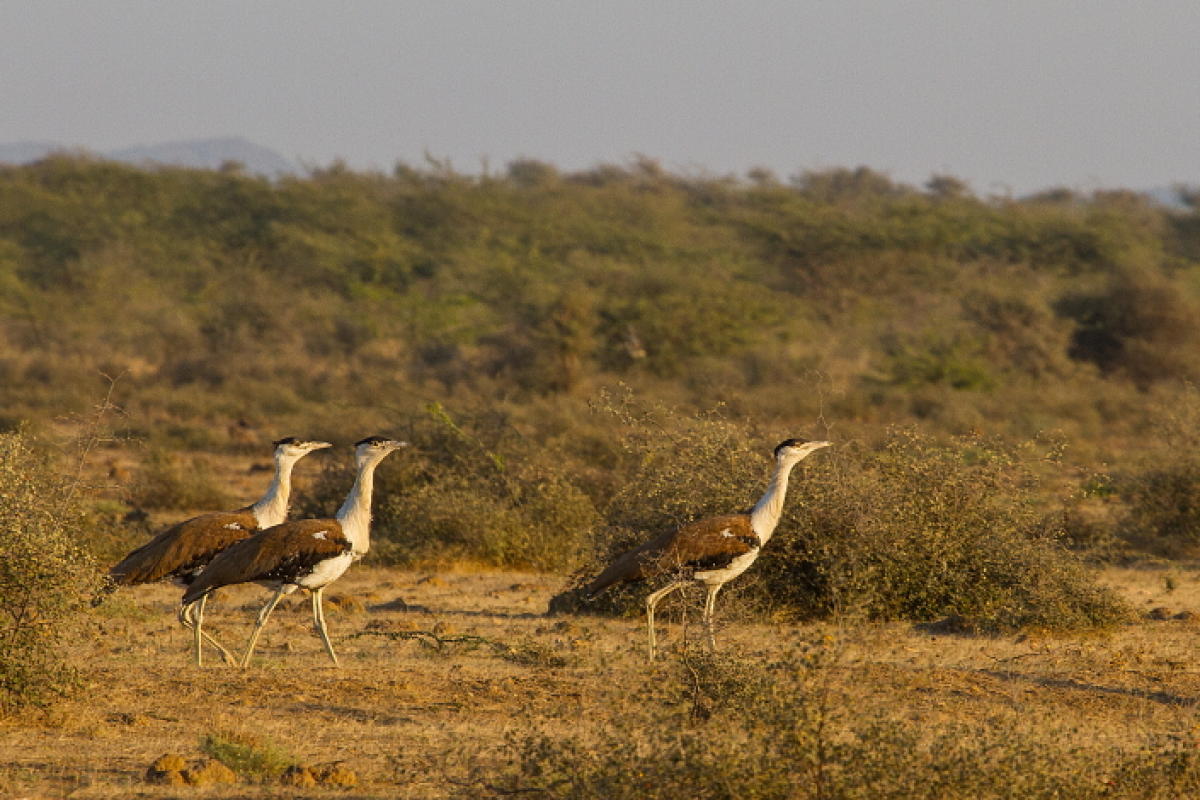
{"type": "Point", "coordinates": [44, 575]}
{"type": "Point", "coordinates": [912, 528]}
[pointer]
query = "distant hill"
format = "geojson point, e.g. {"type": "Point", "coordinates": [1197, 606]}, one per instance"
{"type": "Point", "coordinates": [196, 153]}
{"type": "Point", "coordinates": [24, 152]}
{"type": "Point", "coordinates": [1169, 195]}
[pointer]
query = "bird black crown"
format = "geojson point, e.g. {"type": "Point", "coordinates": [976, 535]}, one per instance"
{"type": "Point", "coordinates": [790, 443]}
{"type": "Point", "coordinates": [372, 440]}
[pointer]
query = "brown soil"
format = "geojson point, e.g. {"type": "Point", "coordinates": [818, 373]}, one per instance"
{"type": "Point", "coordinates": [403, 714]}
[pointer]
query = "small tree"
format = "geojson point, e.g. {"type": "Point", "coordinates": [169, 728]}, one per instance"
{"type": "Point", "coordinates": [44, 575]}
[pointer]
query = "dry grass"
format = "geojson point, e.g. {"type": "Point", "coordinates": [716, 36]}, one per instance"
{"type": "Point", "coordinates": [409, 715]}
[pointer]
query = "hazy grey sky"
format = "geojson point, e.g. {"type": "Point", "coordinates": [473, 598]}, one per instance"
{"type": "Point", "coordinates": [1014, 95]}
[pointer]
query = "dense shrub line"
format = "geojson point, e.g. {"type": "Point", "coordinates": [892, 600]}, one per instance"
{"type": "Point", "coordinates": [242, 298]}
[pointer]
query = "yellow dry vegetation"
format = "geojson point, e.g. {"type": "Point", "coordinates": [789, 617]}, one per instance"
{"type": "Point", "coordinates": [447, 679]}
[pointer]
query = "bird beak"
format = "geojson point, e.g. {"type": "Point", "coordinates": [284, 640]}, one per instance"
{"type": "Point", "coordinates": [321, 445]}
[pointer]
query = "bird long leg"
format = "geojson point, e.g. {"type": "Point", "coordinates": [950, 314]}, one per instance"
{"type": "Point", "coordinates": [191, 616]}
{"type": "Point", "coordinates": [651, 603]}
{"type": "Point", "coordinates": [710, 603]}
{"type": "Point", "coordinates": [262, 620]}
{"type": "Point", "coordinates": [319, 621]}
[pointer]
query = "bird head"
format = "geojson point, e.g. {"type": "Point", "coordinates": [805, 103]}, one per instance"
{"type": "Point", "coordinates": [796, 449]}
{"type": "Point", "coordinates": [374, 448]}
{"type": "Point", "coordinates": [292, 448]}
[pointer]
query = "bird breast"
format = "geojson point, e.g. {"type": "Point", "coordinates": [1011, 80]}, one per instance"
{"type": "Point", "coordinates": [326, 572]}
{"type": "Point", "coordinates": [736, 566]}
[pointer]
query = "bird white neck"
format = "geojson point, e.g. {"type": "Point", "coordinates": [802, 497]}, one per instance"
{"type": "Point", "coordinates": [272, 509]}
{"type": "Point", "coordinates": [766, 513]}
{"type": "Point", "coordinates": [355, 514]}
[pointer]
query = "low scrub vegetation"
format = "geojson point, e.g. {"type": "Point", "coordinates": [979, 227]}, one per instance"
{"type": "Point", "coordinates": [252, 758]}
{"type": "Point", "coordinates": [905, 528]}
{"type": "Point", "coordinates": [1159, 491]}
{"type": "Point", "coordinates": [718, 728]}
{"type": "Point", "coordinates": [926, 530]}
{"type": "Point", "coordinates": [908, 527]}
{"type": "Point", "coordinates": [45, 576]}
{"type": "Point", "coordinates": [472, 491]}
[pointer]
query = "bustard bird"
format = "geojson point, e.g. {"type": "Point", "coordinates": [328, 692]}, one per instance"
{"type": "Point", "coordinates": [183, 550]}
{"type": "Point", "coordinates": [711, 551]}
{"type": "Point", "coordinates": [308, 553]}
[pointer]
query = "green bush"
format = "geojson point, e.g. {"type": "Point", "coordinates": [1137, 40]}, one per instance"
{"type": "Point", "coordinates": [1163, 507]}
{"type": "Point", "coordinates": [937, 360]}
{"type": "Point", "coordinates": [912, 529]}
{"type": "Point", "coordinates": [920, 529]}
{"type": "Point", "coordinates": [252, 758]}
{"type": "Point", "coordinates": [468, 491]}
{"type": "Point", "coordinates": [1160, 491]}
{"type": "Point", "coordinates": [44, 576]}
{"type": "Point", "coordinates": [1138, 323]}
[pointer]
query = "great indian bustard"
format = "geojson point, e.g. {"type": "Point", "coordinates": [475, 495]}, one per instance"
{"type": "Point", "coordinates": [183, 550]}
{"type": "Point", "coordinates": [711, 551]}
{"type": "Point", "coordinates": [308, 553]}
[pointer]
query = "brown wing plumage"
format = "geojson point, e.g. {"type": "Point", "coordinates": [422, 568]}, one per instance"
{"type": "Point", "coordinates": [704, 544]}
{"type": "Point", "coordinates": [184, 549]}
{"type": "Point", "coordinates": [281, 553]}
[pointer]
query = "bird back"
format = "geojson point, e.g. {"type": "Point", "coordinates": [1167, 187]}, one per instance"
{"type": "Point", "coordinates": [280, 553]}
{"type": "Point", "coordinates": [705, 544]}
{"type": "Point", "coordinates": [184, 548]}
